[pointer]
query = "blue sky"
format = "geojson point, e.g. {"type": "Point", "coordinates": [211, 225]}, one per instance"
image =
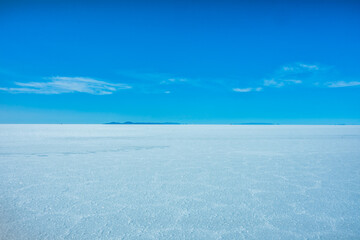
{"type": "Point", "coordinates": [293, 62]}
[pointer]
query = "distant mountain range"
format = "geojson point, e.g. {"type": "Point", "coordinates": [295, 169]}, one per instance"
{"type": "Point", "coordinates": [175, 123]}
{"type": "Point", "coordinates": [157, 123]}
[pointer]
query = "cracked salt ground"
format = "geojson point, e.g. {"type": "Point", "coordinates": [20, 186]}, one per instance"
{"type": "Point", "coordinates": [179, 182]}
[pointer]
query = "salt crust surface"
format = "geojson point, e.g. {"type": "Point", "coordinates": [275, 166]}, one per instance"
{"type": "Point", "coordinates": [179, 182]}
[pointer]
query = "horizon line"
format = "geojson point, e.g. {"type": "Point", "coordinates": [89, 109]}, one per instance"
{"type": "Point", "coordinates": [238, 124]}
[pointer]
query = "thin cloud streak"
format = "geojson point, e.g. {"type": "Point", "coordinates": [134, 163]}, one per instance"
{"type": "Point", "coordinates": [290, 74]}
{"type": "Point", "coordinates": [58, 85]}
{"type": "Point", "coordinates": [272, 83]}
{"type": "Point", "coordinates": [300, 68]}
{"type": "Point", "coordinates": [343, 84]}
{"type": "Point", "coordinates": [153, 78]}
{"type": "Point", "coordinates": [244, 90]}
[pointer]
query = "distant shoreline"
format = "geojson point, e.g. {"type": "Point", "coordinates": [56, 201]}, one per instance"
{"type": "Point", "coordinates": [144, 123]}
{"type": "Point", "coordinates": [253, 124]}
{"type": "Point", "coordinates": [173, 123]}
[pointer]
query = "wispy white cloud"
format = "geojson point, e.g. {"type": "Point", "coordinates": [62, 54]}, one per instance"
{"type": "Point", "coordinates": [154, 77]}
{"type": "Point", "coordinates": [310, 75]}
{"type": "Point", "coordinates": [309, 67]}
{"type": "Point", "coordinates": [173, 80]}
{"type": "Point", "coordinates": [58, 85]}
{"type": "Point", "coordinates": [300, 67]}
{"type": "Point", "coordinates": [343, 84]}
{"type": "Point", "coordinates": [294, 74]}
{"type": "Point", "coordinates": [280, 83]}
{"type": "Point", "coordinates": [293, 81]}
{"type": "Point", "coordinates": [157, 82]}
{"type": "Point", "coordinates": [289, 75]}
{"type": "Point", "coordinates": [273, 83]}
{"type": "Point", "coordinates": [244, 90]}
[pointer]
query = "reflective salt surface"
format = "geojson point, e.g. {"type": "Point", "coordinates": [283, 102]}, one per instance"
{"type": "Point", "coordinates": [179, 182]}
